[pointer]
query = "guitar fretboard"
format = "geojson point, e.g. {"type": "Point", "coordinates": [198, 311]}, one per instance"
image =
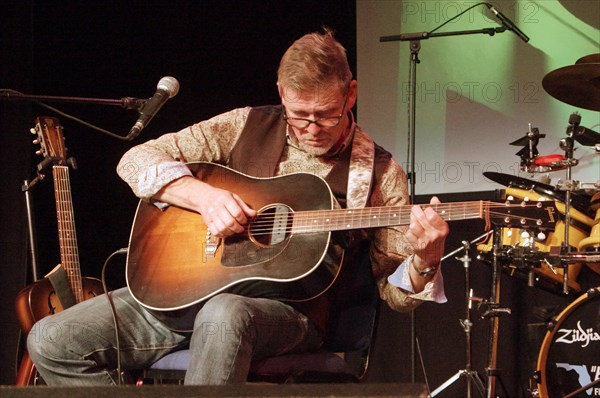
{"type": "Point", "coordinates": [69, 253]}
{"type": "Point", "coordinates": [371, 217]}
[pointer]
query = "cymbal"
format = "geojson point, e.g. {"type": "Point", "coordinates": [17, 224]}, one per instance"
{"type": "Point", "coordinates": [578, 201]}
{"type": "Point", "coordinates": [577, 85]}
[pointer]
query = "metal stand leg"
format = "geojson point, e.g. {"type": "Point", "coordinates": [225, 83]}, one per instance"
{"type": "Point", "coordinates": [471, 376]}
{"type": "Point", "coordinates": [26, 188]}
{"type": "Point", "coordinates": [493, 313]}
{"type": "Point", "coordinates": [27, 374]}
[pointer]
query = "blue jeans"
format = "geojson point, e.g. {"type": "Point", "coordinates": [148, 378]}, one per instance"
{"type": "Point", "coordinates": [77, 346]}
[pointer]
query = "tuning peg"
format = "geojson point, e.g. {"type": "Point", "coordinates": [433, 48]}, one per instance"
{"type": "Point", "coordinates": [36, 141]}
{"type": "Point", "coordinates": [38, 152]}
{"type": "Point", "coordinates": [32, 131]}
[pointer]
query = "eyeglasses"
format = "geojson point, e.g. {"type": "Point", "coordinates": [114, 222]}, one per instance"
{"type": "Point", "coordinates": [302, 123]}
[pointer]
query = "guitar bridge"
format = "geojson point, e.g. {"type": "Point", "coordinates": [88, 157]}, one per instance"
{"type": "Point", "coordinates": [212, 243]}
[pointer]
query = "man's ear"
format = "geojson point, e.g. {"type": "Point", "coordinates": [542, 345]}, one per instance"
{"type": "Point", "coordinates": [352, 94]}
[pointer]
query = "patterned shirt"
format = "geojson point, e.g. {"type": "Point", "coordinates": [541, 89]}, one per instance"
{"type": "Point", "coordinates": [152, 165]}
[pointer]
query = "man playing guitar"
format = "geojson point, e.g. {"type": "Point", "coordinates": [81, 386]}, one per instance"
{"type": "Point", "coordinates": [243, 233]}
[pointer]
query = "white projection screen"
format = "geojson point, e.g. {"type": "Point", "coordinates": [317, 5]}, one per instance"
{"type": "Point", "coordinates": [475, 93]}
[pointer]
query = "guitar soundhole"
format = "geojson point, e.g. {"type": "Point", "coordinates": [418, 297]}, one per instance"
{"type": "Point", "coordinates": [272, 225]}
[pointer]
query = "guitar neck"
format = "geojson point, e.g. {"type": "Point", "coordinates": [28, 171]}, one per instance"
{"type": "Point", "coordinates": [372, 217]}
{"type": "Point", "coordinates": [69, 253]}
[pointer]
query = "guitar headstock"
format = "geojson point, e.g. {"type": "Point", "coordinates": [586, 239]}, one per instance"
{"type": "Point", "coordinates": [51, 140]}
{"type": "Point", "coordinates": [535, 215]}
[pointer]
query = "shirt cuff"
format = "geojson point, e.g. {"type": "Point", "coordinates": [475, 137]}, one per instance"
{"type": "Point", "coordinates": [433, 291]}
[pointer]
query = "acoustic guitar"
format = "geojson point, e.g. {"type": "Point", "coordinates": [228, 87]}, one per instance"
{"type": "Point", "coordinates": [40, 299]}
{"type": "Point", "coordinates": [174, 263]}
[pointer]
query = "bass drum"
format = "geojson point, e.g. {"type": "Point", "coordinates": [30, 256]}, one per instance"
{"type": "Point", "coordinates": [569, 359]}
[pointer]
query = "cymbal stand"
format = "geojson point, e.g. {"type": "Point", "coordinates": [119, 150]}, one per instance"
{"type": "Point", "coordinates": [471, 376]}
{"type": "Point", "coordinates": [567, 144]}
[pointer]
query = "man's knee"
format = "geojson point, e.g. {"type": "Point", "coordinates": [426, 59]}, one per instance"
{"type": "Point", "coordinates": [43, 338]}
{"type": "Point", "coordinates": [222, 316]}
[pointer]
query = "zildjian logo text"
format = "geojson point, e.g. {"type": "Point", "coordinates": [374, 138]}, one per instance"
{"type": "Point", "coordinates": [585, 336]}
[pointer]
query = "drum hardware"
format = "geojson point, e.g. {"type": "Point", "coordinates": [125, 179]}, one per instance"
{"type": "Point", "coordinates": [578, 186]}
{"type": "Point", "coordinates": [489, 309]}
{"type": "Point", "coordinates": [568, 145]}
{"type": "Point", "coordinates": [472, 376]}
{"type": "Point", "coordinates": [531, 262]}
{"type": "Point", "coordinates": [528, 258]}
{"type": "Point", "coordinates": [523, 252]}
{"type": "Point", "coordinates": [574, 257]}
{"type": "Point", "coordinates": [576, 85]}
{"type": "Point", "coordinates": [529, 152]}
{"type": "Point", "coordinates": [494, 325]}
{"type": "Point", "coordinates": [533, 163]}
{"type": "Point", "coordinates": [550, 163]}
{"type": "Point", "coordinates": [492, 312]}
{"type": "Point", "coordinates": [580, 257]}
{"type": "Point", "coordinates": [582, 135]}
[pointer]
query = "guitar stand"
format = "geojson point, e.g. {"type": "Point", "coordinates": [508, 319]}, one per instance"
{"type": "Point", "coordinates": [26, 374]}
{"type": "Point", "coordinates": [471, 376]}
{"type": "Point", "coordinates": [26, 188]}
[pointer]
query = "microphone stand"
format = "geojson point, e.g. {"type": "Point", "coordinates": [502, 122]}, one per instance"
{"type": "Point", "coordinates": [125, 102]}
{"type": "Point", "coordinates": [415, 47]}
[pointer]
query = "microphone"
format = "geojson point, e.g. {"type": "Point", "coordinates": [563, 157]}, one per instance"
{"type": "Point", "coordinates": [508, 24]}
{"type": "Point", "coordinates": [166, 88]}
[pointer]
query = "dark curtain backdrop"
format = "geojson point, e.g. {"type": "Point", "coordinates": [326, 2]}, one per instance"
{"type": "Point", "coordinates": [225, 55]}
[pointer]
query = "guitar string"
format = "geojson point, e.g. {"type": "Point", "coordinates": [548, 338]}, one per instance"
{"type": "Point", "coordinates": [345, 214]}
{"type": "Point", "coordinates": [315, 219]}
{"type": "Point", "coordinates": [67, 234]}
{"type": "Point", "coordinates": [267, 220]}
{"type": "Point", "coordinates": [67, 229]}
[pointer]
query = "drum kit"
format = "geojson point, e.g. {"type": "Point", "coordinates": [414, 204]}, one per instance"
{"type": "Point", "coordinates": [569, 361]}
